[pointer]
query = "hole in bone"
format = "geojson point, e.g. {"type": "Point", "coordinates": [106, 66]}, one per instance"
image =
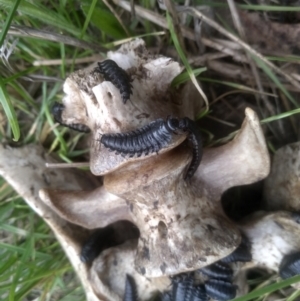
{"type": "Point", "coordinates": [109, 94]}
{"type": "Point", "coordinates": [162, 229]}
{"type": "Point", "coordinates": [107, 237]}
{"type": "Point", "coordinates": [240, 201]}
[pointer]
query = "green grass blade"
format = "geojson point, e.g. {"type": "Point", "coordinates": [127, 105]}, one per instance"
{"type": "Point", "coordinates": [25, 257]}
{"type": "Point", "coordinates": [126, 40]}
{"type": "Point", "coordinates": [269, 8]}
{"type": "Point", "coordinates": [4, 97]}
{"type": "Point", "coordinates": [8, 21]}
{"type": "Point", "coordinates": [294, 296]}
{"type": "Point", "coordinates": [88, 17]}
{"type": "Point", "coordinates": [234, 85]}
{"type": "Point", "coordinates": [274, 78]}
{"type": "Point", "coordinates": [105, 21]}
{"type": "Point", "coordinates": [280, 116]}
{"type": "Point", "coordinates": [43, 14]}
{"type": "Point", "coordinates": [9, 111]}
{"type": "Point", "coordinates": [19, 74]}
{"type": "Point", "coordinates": [184, 60]}
{"type": "Point", "coordinates": [183, 77]}
{"type": "Point", "coordinates": [268, 289]}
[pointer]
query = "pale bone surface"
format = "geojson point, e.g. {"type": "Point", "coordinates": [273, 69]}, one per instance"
{"type": "Point", "coordinates": [282, 186]}
{"type": "Point", "coordinates": [179, 231]}
{"type": "Point", "coordinates": [97, 103]}
{"type": "Point", "coordinates": [272, 235]}
{"type": "Point", "coordinates": [111, 267]}
{"type": "Point", "coordinates": [242, 161]}
{"type": "Point", "coordinates": [127, 180]}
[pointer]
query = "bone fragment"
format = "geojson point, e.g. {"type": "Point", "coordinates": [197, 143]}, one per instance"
{"type": "Point", "coordinates": [282, 186]}
{"type": "Point", "coordinates": [90, 209]}
{"type": "Point", "coordinates": [24, 169]}
{"type": "Point", "coordinates": [244, 160]}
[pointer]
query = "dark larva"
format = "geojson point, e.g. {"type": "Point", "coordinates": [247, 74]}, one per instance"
{"type": "Point", "coordinates": [220, 290]}
{"type": "Point", "coordinates": [118, 76]}
{"type": "Point", "coordinates": [154, 137]}
{"type": "Point", "coordinates": [218, 270]}
{"type": "Point", "coordinates": [166, 296]}
{"type": "Point", "coordinates": [130, 289]}
{"type": "Point", "coordinates": [184, 289]}
{"type": "Point", "coordinates": [150, 138]}
{"type": "Point", "coordinates": [296, 217]}
{"type": "Point", "coordinates": [199, 293]}
{"type": "Point", "coordinates": [189, 125]}
{"type": "Point", "coordinates": [290, 265]}
{"type": "Point", "coordinates": [57, 110]}
{"type": "Point", "coordinates": [241, 253]}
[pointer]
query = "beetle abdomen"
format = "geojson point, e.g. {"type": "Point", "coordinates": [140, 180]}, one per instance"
{"type": "Point", "coordinates": [220, 290]}
{"type": "Point", "coordinates": [218, 270]}
{"type": "Point", "coordinates": [130, 289]}
{"type": "Point", "coordinates": [155, 136]}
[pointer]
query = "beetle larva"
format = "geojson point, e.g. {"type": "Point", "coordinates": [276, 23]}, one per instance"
{"type": "Point", "coordinates": [130, 289]}
{"type": "Point", "coordinates": [199, 293]}
{"type": "Point", "coordinates": [148, 139]}
{"type": "Point", "coordinates": [57, 110]}
{"type": "Point", "coordinates": [218, 270]}
{"type": "Point", "coordinates": [189, 125]}
{"type": "Point", "coordinates": [290, 265]}
{"type": "Point", "coordinates": [154, 137]}
{"type": "Point", "coordinates": [118, 76]}
{"type": "Point", "coordinates": [241, 253]}
{"type": "Point", "coordinates": [220, 290]}
{"type": "Point", "coordinates": [184, 289]}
